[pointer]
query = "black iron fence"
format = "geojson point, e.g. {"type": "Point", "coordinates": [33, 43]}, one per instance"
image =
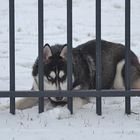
{"type": "Point", "coordinates": [98, 93]}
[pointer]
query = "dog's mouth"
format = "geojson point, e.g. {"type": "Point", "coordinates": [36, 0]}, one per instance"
{"type": "Point", "coordinates": [58, 100]}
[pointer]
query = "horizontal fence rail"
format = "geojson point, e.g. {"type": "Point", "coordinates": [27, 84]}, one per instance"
{"type": "Point", "coordinates": [72, 93]}
{"type": "Point", "coordinates": [98, 93]}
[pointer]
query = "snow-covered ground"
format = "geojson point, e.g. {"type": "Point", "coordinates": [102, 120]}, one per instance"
{"type": "Point", "coordinates": [57, 124]}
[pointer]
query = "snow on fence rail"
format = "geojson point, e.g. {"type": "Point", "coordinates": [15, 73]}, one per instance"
{"type": "Point", "coordinates": [98, 93]}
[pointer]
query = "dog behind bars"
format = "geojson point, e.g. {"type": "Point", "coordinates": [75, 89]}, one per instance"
{"type": "Point", "coordinates": [84, 70]}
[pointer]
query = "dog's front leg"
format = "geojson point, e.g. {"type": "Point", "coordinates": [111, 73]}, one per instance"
{"type": "Point", "coordinates": [27, 102]}
{"type": "Point", "coordinates": [78, 103]}
{"type": "Point", "coordinates": [22, 104]}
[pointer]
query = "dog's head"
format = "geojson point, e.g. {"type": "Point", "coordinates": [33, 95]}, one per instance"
{"type": "Point", "coordinates": [55, 69]}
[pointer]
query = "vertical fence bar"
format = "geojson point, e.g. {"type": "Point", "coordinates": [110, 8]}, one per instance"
{"type": "Point", "coordinates": [12, 52]}
{"type": "Point", "coordinates": [127, 55]}
{"type": "Point", "coordinates": [69, 54]}
{"type": "Point", "coordinates": [98, 55]}
{"type": "Point", "coordinates": [40, 52]}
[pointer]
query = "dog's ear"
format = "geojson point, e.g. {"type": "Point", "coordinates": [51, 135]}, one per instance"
{"type": "Point", "coordinates": [47, 51]}
{"type": "Point", "coordinates": [63, 53]}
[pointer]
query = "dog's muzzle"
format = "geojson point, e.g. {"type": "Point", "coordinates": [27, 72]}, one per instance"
{"type": "Point", "coordinates": [58, 101]}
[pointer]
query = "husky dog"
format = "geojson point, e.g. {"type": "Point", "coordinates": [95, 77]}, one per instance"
{"type": "Point", "coordinates": [84, 69]}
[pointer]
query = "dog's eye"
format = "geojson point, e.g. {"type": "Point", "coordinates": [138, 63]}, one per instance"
{"type": "Point", "coordinates": [52, 75]}
{"type": "Point", "coordinates": [61, 74]}
{"type": "Point", "coordinates": [50, 78]}
{"type": "Point", "coordinates": [63, 78]}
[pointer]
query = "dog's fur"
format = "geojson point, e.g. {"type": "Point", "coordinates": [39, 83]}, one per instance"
{"type": "Point", "coordinates": [84, 69]}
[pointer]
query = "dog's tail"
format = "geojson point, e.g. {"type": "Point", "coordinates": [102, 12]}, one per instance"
{"type": "Point", "coordinates": [22, 103]}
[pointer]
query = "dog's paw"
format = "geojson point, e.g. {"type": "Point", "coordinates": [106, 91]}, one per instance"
{"type": "Point", "coordinates": [59, 113]}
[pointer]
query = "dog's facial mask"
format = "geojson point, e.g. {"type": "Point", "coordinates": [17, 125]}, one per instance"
{"type": "Point", "coordinates": [55, 70]}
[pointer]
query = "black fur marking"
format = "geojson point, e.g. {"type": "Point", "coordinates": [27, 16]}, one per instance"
{"type": "Point", "coordinates": [84, 64]}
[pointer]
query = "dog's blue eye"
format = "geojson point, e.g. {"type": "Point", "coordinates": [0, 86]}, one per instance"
{"type": "Point", "coordinates": [61, 74]}
{"type": "Point", "coordinates": [50, 78]}
{"type": "Point", "coordinates": [63, 78]}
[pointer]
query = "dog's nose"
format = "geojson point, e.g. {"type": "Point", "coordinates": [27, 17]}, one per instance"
{"type": "Point", "coordinates": [59, 98]}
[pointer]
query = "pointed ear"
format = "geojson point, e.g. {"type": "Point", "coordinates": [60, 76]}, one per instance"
{"type": "Point", "coordinates": [63, 53]}
{"type": "Point", "coordinates": [47, 51]}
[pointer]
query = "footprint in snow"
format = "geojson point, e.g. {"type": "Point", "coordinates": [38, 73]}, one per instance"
{"type": "Point", "coordinates": [59, 113]}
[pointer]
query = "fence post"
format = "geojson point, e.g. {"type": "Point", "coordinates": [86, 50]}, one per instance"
{"type": "Point", "coordinates": [69, 54]}
{"type": "Point", "coordinates": [98, 56]}
{"type": "Point", "coordinates": [127, 55]}
{"type": "Point", "coordinates": [40, 52]}
{"type": "Point", "coordinates": [12, 52]}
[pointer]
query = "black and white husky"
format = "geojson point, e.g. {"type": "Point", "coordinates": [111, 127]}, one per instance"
{"type": "Point", "coordinates": [84, 69]}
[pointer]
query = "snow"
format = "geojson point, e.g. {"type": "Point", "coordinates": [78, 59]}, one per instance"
{"type": "Point", "coordinates": [58, 123]}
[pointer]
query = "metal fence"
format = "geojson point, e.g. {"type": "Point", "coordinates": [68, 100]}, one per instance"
{"type": "Point", "coordinates": [98, 93]}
